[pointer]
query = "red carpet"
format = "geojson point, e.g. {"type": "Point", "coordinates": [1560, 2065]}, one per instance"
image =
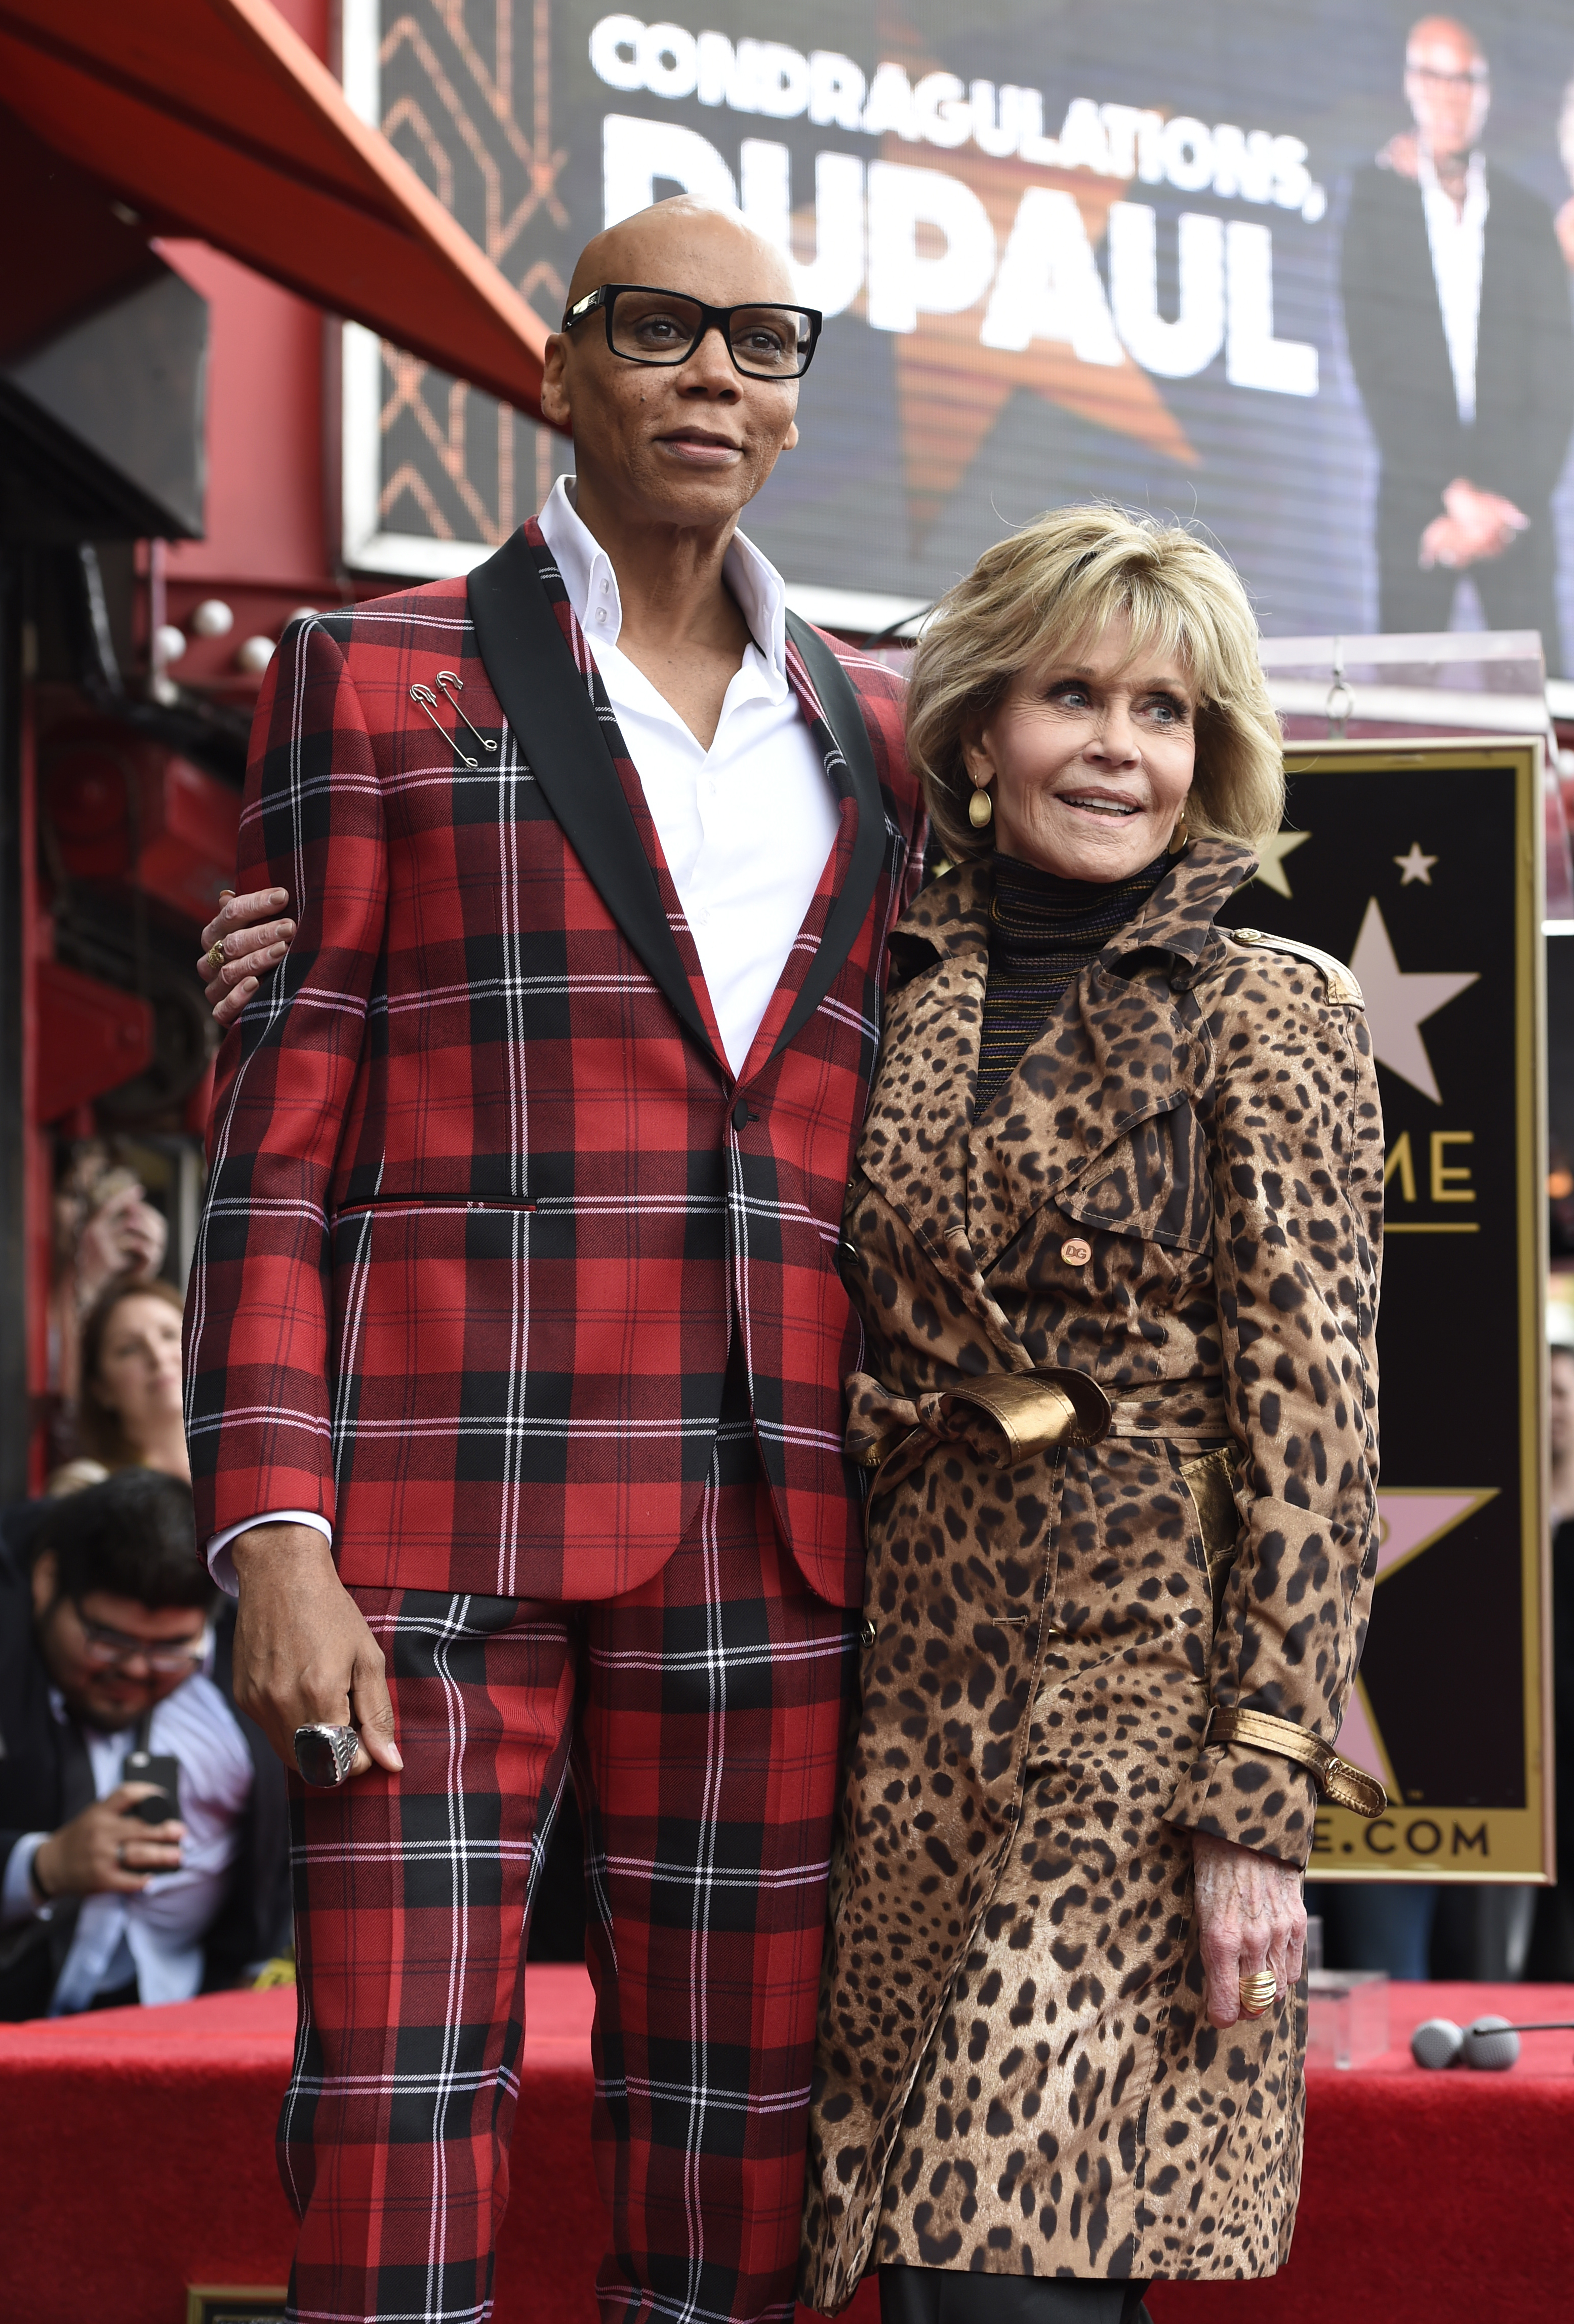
{"type": "Point", "coordinates": [136, 2156]}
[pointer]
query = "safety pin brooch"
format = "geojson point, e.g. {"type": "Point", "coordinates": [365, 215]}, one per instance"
{"type": "Point", "coordinates": [428, 702]}
{"type": "Point", "coordinates": [451, 678]}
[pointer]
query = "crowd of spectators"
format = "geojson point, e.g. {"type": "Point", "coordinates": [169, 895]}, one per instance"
{"type": "Point", "coordinates": [144, 1818]}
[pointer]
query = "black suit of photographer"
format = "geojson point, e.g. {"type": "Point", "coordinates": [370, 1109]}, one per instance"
{"type": "Point", "coordinates": [1524, 395]}
{"type": "Point", "coordinates": [46, 1779]}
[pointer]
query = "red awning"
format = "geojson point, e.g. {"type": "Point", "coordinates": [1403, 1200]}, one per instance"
{"type": "Point", "coordinates": [213, 118]}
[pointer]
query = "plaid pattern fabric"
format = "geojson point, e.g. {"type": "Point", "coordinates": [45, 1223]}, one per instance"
{"type": "Point", "coordinates": [483, 1218]}
{"type": "Point", "coordinates": [704, 1714]}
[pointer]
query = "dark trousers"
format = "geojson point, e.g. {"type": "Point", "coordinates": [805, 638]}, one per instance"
{"type": "Point", "coordinates": [701, 1719]}
{"type": "Point", "coordinates": [938, 2295]}
{"type": "Point", "coordinates": [1515, 589]}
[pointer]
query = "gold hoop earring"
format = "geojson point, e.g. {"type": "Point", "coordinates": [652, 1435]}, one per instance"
{"type": "Point", "coordinates": [980, 807]}
{"type": "Point", "coordinates": [1178, 837]}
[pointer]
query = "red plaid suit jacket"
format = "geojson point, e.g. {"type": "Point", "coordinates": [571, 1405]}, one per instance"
{"type": "Point", "coordinates": [487, 1209]}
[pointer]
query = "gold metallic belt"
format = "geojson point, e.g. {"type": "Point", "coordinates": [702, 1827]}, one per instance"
{"type": "Point", "coordinates": [1338, 1781]}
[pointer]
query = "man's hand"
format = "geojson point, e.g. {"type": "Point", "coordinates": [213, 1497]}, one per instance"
{"type": "Point", "coordinates": [250, 949]}
{"type": "Point", "coordinates": [107, 1848]}
{"type": "Point", "coordinates": [1250, 1914]}
{"type": "Point", "coordinates": [1479, 526]}
{"type": "Point", "coordinates": [303, 1654]}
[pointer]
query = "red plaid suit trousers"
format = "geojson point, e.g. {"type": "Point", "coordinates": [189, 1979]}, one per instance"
{"type": "Point", "coordinates": [701, 1718]}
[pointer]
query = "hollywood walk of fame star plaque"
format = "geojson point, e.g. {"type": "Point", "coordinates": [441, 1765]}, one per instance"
{"type": "Point", "coordinates": [1420, 864]}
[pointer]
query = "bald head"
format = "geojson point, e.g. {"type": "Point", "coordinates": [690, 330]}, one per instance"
{"type": "Point", "coordinates": [683, 244]}
{"type": "Point", "coordinates": [1443, 38]}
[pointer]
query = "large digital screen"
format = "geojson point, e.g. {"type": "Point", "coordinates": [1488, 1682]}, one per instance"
{"type": "Point", "coordinates": [1297, 272]}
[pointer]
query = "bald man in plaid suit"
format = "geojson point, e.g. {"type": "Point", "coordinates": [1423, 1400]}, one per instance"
{"type": "Point", "coordinates": [516, 1337]}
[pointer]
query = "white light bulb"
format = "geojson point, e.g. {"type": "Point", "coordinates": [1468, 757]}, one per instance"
{"type": "Point", "coordinates": [213, 619]}
{"type": "Point", "coordinates": [255, 655]}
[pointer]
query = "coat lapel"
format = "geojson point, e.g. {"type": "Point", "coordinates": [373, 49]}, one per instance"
{"type": "Point", "coordinates": [562, 734]}
{"type": "Point", "coordinates": [1112, 1053]}
{"type": "Point", "coordinates": [830, 705]}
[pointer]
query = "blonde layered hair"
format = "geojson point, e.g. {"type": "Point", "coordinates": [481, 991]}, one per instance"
{"type": "Point", "coordinates": [1060, 582]}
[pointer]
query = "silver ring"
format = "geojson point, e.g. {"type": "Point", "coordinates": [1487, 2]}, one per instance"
{"type": "Point", "coordinates": [325, 1755]}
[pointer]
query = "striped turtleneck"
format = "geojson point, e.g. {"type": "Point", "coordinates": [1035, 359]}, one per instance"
{"type": "Point", "coordinates": [1043, 931]}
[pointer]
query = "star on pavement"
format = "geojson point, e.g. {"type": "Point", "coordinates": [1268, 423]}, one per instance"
{"type": "Point", "coordinates": [1270, 871]}
{"type": "Point", "coordinates": [1398, 1002]}
{"type": "Point", "coordinates": [1415, 865]}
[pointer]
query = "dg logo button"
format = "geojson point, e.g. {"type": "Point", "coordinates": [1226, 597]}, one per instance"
{"type": "Point", "coordinates": [1076, 1253]}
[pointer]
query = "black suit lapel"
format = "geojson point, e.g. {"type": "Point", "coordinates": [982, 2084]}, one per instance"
{"type": "Point", "coordinates": [844, 719]}
{"type": "Point", "coordinates": [546, 701]}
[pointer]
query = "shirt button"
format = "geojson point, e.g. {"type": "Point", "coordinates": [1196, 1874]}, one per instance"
{"type": "Point", "coordinates": [600, 613]}
{"type": "Point", "coordinates": [1076, 1253]}
{"type": "Point", "coordinates": [868, 1635]}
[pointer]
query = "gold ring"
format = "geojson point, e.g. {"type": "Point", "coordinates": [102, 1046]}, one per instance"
{"type": "Point", "coordinates": [1258, 1993]}
{"type": "Point", "coordinates": [216, 955]}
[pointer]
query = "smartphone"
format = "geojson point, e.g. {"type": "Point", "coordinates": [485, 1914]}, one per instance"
{"type": "Point", "coordinates": [161, 1768]}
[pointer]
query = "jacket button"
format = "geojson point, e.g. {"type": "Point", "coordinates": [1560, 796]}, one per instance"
{"type": "Point", "coordinates": [867, 1634]}
{"type": "Point", "coordinates": [1076, 1253]}
{"type": "Point", "coordinates": [740, 1113]}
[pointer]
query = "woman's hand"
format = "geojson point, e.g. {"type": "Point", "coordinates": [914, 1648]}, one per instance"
{"type": "Point", "coordinates": [125, 1236]}
{"type": "Point", "coordinates": [1250, 1916]}
{"type": "Point", "coordinates": [249, 950]}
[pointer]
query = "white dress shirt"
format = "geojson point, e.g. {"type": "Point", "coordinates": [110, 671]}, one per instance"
{"type": "Point", "coordinates": [745, 827]}
{"type": "Point", "coordinates": [1457, 239]}
{"type": "Point", "coordinates": [155, 1936]}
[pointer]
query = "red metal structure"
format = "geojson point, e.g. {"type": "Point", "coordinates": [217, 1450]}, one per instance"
{"type": "Point", "coordinates": [194, 205]}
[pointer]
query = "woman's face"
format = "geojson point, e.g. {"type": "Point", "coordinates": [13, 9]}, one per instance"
{"type": "Point", "coordinates": [139, 1365]}
{"type": "Point", "coordinates": [1089, 757]}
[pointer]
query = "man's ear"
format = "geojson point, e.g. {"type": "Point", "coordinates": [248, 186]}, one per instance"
{"type": "Point", "coordinates": [46, 1577]}
{"type": "Point", "coordinates": [556, 407]}
{"type": "Point", "coordinates": [789, 442]}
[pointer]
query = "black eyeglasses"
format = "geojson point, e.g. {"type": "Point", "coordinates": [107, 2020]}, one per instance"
{"type": "Point", "coordinates": [647, 325]}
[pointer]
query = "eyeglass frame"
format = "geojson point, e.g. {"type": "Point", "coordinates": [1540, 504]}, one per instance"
{"type": "Point", "coordinates": [119, 1648]}
{"type": "Point", "coordinates": [711, 319]}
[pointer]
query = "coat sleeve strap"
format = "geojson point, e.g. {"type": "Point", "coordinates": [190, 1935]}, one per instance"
{"type": "Point", "coordinates": [1341, 1782]}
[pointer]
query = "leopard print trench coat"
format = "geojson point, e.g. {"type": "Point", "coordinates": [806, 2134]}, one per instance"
{"type": "Point", "coordinates": [1180, 1193]}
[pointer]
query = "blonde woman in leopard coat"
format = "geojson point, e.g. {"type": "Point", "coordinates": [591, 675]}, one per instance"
{"type": "Point", "coordinates": [1114, 1236]}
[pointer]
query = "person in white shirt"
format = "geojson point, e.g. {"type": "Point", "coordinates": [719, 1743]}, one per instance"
{"type": "Point", "coordinates": [1456, 312]}
{"type": "Point", "coordinates": [106, 1642]}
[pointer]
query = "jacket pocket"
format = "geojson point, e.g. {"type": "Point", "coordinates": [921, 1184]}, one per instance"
{"type": "Point", "coordinates": [1152, 1183]}
{"type": "Point", "coordinates": [1210, 1480]}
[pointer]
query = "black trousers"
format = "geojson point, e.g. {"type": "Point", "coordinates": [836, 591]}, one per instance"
{"type": "Point", "coordinates": [938, 2295]}
{"type": "Point", "coordinates": [1516, 590]}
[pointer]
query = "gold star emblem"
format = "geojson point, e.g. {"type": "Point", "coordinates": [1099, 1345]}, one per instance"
{"type": "Point", "coordinates": [1272, 851]}
{"type": "Point", "coordinates": [1415, 865]}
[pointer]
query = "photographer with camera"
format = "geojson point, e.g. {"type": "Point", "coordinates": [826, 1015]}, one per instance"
{"type": "Point", "coordinates": [143, 1827]}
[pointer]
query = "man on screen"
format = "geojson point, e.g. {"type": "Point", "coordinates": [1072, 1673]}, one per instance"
{"type": "Point", "coordinates": [516, 1340]}
{"type": "Point", "coordinates": [1456, 311]}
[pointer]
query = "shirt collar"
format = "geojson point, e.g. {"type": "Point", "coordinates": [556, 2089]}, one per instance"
{"type": "Point", "coordinates": [592, 586]}
{"type": "Point", "coordinates": [1475, 185]}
